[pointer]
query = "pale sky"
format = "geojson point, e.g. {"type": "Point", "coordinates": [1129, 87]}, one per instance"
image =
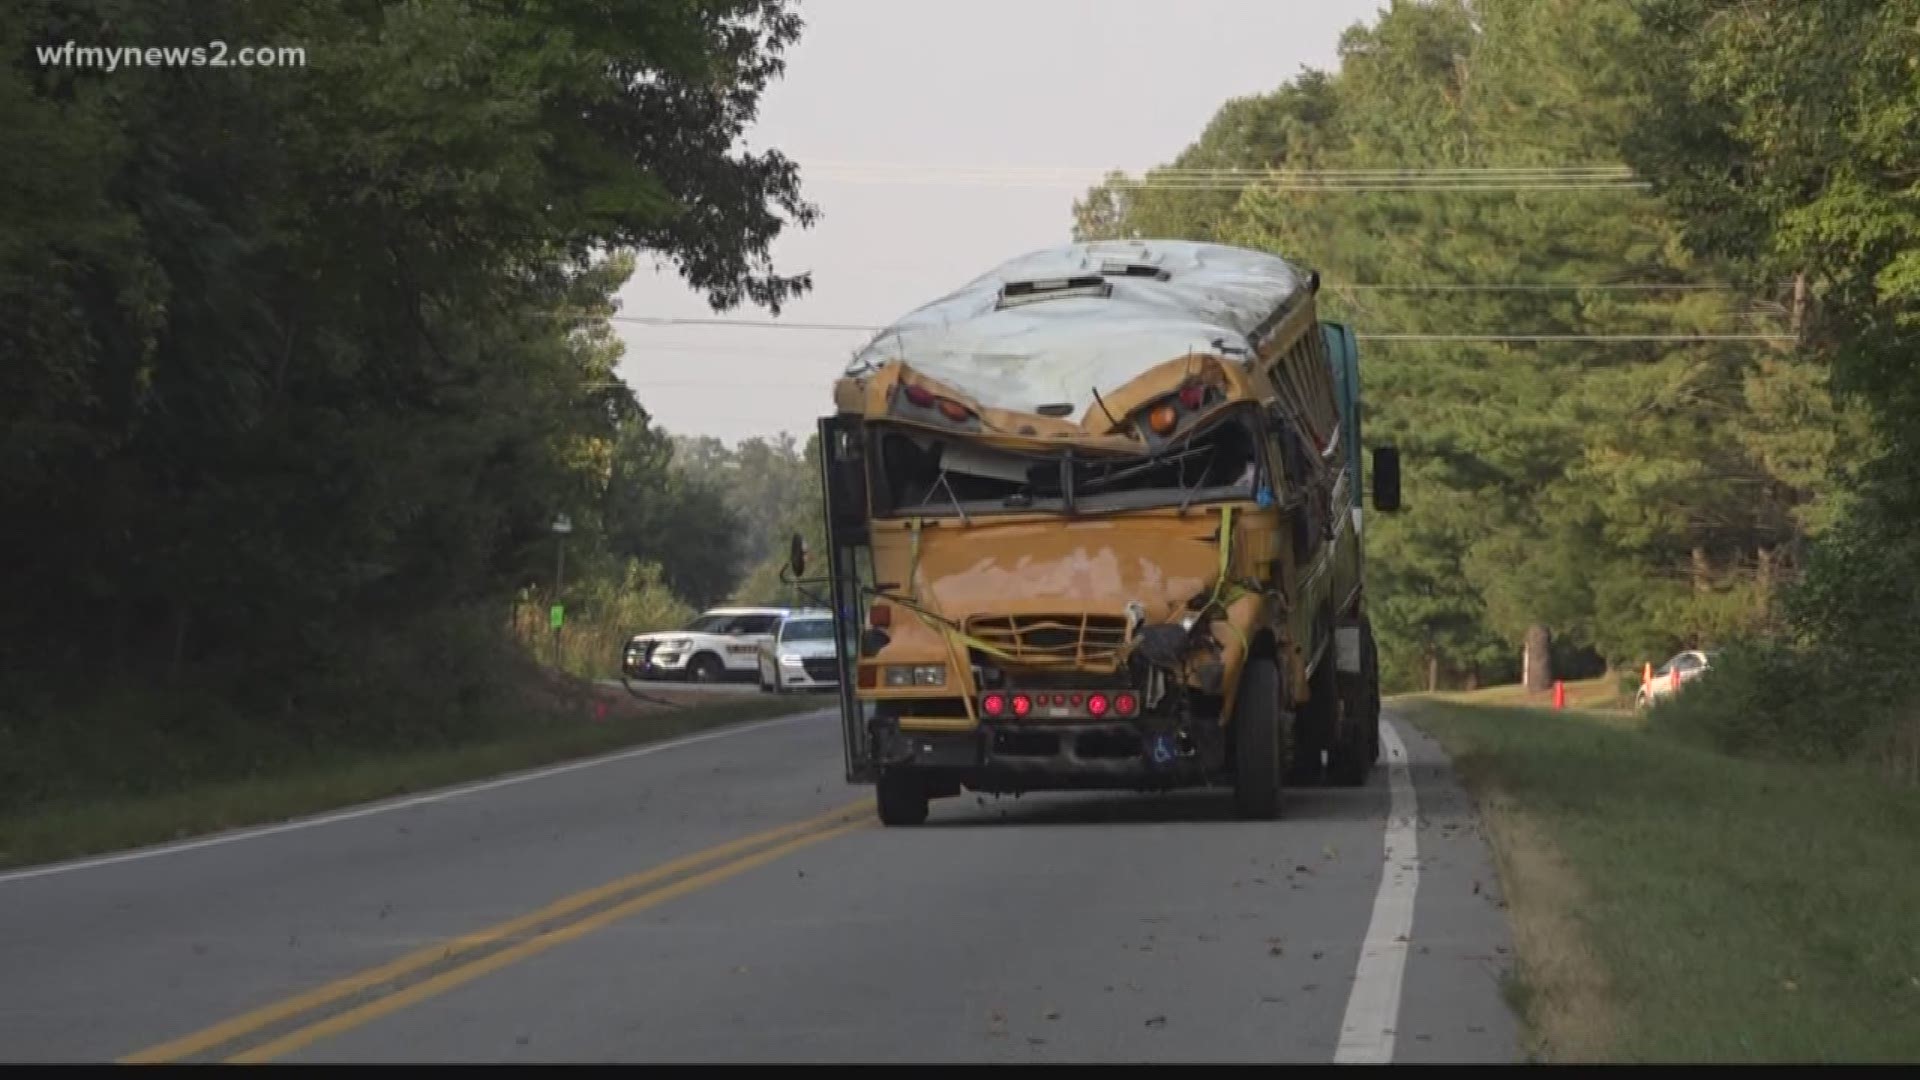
{"type": "Point", "coordinates": [1080, 86]}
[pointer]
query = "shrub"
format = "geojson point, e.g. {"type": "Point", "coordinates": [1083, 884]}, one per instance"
{"type": "Point", "coordinates": [600, 618]}
{"type": "Point", "coordinates": [1767, 698]}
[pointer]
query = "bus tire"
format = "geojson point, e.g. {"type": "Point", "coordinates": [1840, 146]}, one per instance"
{"type": "Point", "coordinates": [1258, 722]}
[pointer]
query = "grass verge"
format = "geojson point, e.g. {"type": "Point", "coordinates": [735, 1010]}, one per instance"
{"type": "Point", "coordinates": [1671, 903]}
{"type": "Point", "coordinates": [1598, 694]}
{"type": "Point", "coordinates": [329, 781]}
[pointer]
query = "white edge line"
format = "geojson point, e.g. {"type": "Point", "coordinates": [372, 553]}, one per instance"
{"type": "Point", "coordinates": [1373, 1008]}
{"type": "Point", "coordinates": [401, 803]}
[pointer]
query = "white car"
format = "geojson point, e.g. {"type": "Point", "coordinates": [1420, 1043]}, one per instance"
{"type": "Point", "coordinates": [1669, 677]}
{"type": "Point", "coordinates": [721, 644]}
{"type": "Point", "coordinates": [800, 656]}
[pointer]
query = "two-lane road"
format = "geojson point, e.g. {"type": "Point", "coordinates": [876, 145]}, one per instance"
{"type": "Point", "coordinates": [728, 898]}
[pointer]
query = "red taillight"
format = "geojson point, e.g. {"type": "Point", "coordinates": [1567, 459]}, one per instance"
{"type": "Point", "coordinates": [1076, 701]}
{"type": "Point", "coordinates": [1125, 704]}
{"type": "Point", "coordinates": [880, 616]}
{"type": "Point", "coordinates": [1191, 396]}
{"type": "Point", "coordinates": [868, 677]}
{"type": "Point", "coordinates": [1022, 704]}
{"type": "Point", "coordinates": [1097, 704]}
{"type": "Point", "coordinates": [920, 396]}
{"type": "Point", "coordinates": [994, 704]}
{"type": "Point", "coordinates": [954, 411]}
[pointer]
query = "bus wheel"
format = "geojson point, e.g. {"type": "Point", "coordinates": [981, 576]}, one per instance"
{"type": "Point", "coordinates": [1257, 724]}
{"type": "Point", "coordinates": [902, 798]}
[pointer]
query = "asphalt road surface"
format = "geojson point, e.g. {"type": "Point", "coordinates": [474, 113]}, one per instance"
{"type": "Point", "coordinates": [728, 898]}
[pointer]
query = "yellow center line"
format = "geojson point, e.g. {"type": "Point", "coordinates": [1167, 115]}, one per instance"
{"type": "Point", "coordinates": [248, 1023]}
{"type": "Point", "coordinates": [447, 980]}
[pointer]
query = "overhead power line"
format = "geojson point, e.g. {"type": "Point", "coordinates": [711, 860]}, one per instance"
{"type": "Point", "coordinates": [905, 169]}
{"type": "Point", "coordinates": [767, 324]}
{"type": "Point", "coordinates": [1368, 187]}
{"type": "Point", "coordinates": [1433, 178]}
{"type": "Point", "coordinates": [1363, 286]}
{"type": "Point", "coordinates": [759, 324]}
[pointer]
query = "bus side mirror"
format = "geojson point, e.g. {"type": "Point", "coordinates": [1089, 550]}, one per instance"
{"type": "Point", "coordinates": [797, 556]}
{"type": "Point", "coordinates": [1386, 478]}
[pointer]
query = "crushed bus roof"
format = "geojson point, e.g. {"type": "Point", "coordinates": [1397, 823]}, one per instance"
{"type": "Point", "coordinates": [1054, 326]}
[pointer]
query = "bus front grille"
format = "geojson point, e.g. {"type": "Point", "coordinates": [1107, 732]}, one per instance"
{"type": "Point", "coordinates": [1078, 640]}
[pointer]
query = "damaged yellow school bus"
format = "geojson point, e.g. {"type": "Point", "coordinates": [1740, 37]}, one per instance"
{"type": "Point", "coordinates": [1094, 522]}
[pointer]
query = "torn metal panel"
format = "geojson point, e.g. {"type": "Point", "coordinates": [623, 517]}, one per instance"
{"type": "Point", "coordinates": [1045, 332]}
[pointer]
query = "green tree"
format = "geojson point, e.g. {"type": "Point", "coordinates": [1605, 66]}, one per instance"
{"type": "Point", "coordinates": [1630, 496]}
{"type": "Point", "coordinates": [803, 514]}
{"type": "Point", "coordinates": [1785, 134]}
{"type": "Point", "coordinates": [660, 513]}
{"type": "Point", "coordinates": [300, 363]}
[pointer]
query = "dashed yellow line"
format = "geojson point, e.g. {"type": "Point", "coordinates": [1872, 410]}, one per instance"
{"type": "Point", "coordinates": [787, 838]}
{"type": "Point", "coordinates": [447, 980]}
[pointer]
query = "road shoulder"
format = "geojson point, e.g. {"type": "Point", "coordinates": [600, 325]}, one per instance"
{"type": "Point", "coordinates": [1454, 1000]}
{"type": "Point", "coordinates": [1676, 903]}
{"type": "Point", "coordinates": [1550, 976]}
{"type": "Point", "coordinates": [40, 837]}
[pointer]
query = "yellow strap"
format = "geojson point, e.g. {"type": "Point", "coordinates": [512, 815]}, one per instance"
{"type": "Point", "coordinates": [955, 657]}
{"type": "Point", "coordinates": [914, 526]}
{"type": "Point", "coordinates": [1226, 538]}
{"type": "Point", "coordinates": [948, 635]}
{"type": "Point", "coordinates": [913, 561]}
{"type": "Point", "coordinates": [962, 638]}
{"type": "Point", "coordinates": [1221, 587]}
{"type": "Point", "coordinates": [1226, 554]}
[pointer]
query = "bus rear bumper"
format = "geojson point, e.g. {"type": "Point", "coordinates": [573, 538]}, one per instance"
{"type": "Point", "coordinates": [1011, 758]}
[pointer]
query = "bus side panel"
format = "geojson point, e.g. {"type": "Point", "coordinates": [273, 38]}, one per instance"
{"type": "Point", "coordinates": [1343, 355]}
